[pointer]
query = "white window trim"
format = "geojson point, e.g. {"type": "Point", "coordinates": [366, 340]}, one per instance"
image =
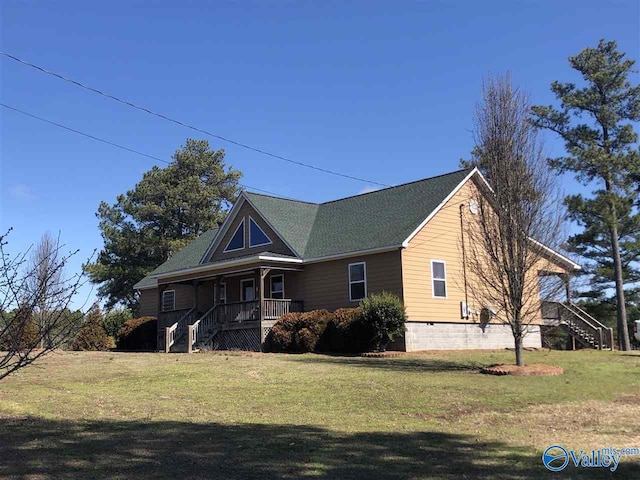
{"type": "Point", "coordinates": [251, 245]}
{"type": "Point", "coordinates": [433, 279]}
{"type": "Point", "coordinates": [271, 284]}
{"type": "Point", "coordinates": [253, 284]}
{"type": "Point", "coordinates": [174, 300]}
{"type": "Point", "coordinates": [240, 225]}
{"type": "Point", "coordinates": [364, 264]}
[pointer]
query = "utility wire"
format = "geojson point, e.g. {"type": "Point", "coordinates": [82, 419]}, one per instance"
{"type": "Point", "coordinates": [137, 152]}
{"type": "Point", "coordinates": [122, 147]}
{"type": "Point", "coordinates": [186, 125]}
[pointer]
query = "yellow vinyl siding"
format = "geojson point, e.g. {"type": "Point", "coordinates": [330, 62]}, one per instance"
{"type": "Point", "coordinates": [440, 239]}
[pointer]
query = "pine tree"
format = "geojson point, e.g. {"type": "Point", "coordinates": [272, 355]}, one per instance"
{"type": "Point", "coordinates": [601, 145]}
{"type": "Point", "coordinates": [168, 208]}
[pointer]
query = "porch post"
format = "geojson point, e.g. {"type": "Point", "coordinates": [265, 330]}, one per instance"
{"type": "Point", "coordinates": [160, 326]}
{"type": "Point", "coordinates": [196, 287]}
{"type": "Point", "coordinates": [216, 291]}
{"type": "Point", "coordinates": [261, 276]}
{"type": "Point", "coordinates": [567, 286]}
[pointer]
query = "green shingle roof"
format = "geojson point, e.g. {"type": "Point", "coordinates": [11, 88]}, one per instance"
{"type": "Point", "coordinates": [372, 220]}
{"type": "Point", "coordinates": [378, 219]}
{"type": "Point", "coordinates": [189, 256]}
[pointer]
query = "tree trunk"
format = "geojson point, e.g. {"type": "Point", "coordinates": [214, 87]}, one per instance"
{"type": "Point", "coordinates": [519, 351]}
{"type": "Point", "coordinates": [623, 331]}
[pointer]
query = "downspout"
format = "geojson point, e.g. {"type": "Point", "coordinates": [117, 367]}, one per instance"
{"type": "Point", "coordinates": [464, 261]}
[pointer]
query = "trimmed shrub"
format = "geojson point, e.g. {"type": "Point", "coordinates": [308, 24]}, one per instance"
{"type": "Point", "coordinates": [384, 315]}
{"type": "Point", "coordinates": [138, 334]}
{"type": "Point", "coordinates": [115, 319]}
{"type": "Point", "coordinates": [280, 338]}
{"type": "Point", "coordinates": [92, 336]}
{"type": "Point", "coordinates": [347, 333]}
{"type": "Point", "coordinates": [298, 332]}
{"type": "Point", "coordinates": [309, 337]}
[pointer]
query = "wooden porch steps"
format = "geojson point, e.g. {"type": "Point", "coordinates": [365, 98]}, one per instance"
{"type": "Point", "coordinates": [583, 328]}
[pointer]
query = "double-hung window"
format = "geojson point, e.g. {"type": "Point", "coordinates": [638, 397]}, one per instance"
{"type": "Point", "coordinates": [357, 281]}
{"type": "Point", "coordinates": [438, 279]}
{"type": "Point", "coordinates": [168, 300]}
{"type": "Point", "coordinates": [277, 286]}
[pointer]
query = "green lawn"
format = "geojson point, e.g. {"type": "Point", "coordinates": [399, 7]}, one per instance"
{"type": "Point", "coordinates": [119, 415]}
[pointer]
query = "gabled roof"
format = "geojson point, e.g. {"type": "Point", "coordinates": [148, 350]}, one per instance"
{"type": "Point", "coordinates": [385, 218]}
{"type": "Point", "coordinates": [369, 221]}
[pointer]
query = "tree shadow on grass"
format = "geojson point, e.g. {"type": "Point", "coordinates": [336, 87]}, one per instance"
{"type": "Point", "coordinates": [399, 364]}
{"type": "Point", "coordinates": [51, 449]}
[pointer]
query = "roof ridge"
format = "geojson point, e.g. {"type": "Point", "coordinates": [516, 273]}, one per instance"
{"type": "Point", "coordinates": [361, 194]}
{"type": "Point", "coordinates": [398, 186]}
{"type": "Point", "coordinates": [282, 198]}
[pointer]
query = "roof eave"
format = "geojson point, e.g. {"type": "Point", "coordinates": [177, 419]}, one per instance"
{"type": "Point", "coordinates": [435, 211]}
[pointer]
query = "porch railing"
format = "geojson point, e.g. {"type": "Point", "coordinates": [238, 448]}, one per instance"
{"type": "Point", "coordinates": [276, 307]}
{"type": "Point", "coordinates": [213, 320]}
{"type": "Point", "coordinates": [176, 330]}
{"type": "Point", "coordinates": [238, 311]}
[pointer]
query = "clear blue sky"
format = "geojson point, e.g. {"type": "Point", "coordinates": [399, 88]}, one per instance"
{"type": "Point", "coordinates": [381, 90]}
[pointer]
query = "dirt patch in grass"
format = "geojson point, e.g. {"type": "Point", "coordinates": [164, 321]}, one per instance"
{"type": "Point", "coordinates": [584, 425]}
{"type": "Point", "coordinates": [527, 370]}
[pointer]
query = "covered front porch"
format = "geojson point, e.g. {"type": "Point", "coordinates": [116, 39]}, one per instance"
{"type": "Point", "coordinates": [226, 310]}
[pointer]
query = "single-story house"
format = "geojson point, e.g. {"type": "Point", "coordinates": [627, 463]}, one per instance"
{"type": "Point", "coordinates": [275, 255]}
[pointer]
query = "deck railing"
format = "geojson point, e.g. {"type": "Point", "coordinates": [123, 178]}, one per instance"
{"type": "Point", "coordinates": [205, 327]}
{"type": "Point", "coordinates": [276, 307]}
{"type": "Point", "coordinates": [606, 333]}
{"type": "Point", "coordinates": [176, 330]}
{"type": "Point", "coordinates": [588, 329]}
{"type": "Point", "coordinates": [238, 311]}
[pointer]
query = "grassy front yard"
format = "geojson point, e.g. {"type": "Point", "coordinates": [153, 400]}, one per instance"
{"type": "Point", "coordinates": [120, 415]}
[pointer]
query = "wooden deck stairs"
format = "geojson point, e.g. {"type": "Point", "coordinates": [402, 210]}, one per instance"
{"type": "Point", "coordinates": [585, 329]}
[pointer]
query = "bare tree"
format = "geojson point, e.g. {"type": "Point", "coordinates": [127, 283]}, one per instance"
{"type": "Point", "coordinates": [29, 286]}
{"type": "Point", "coordinates": [516, 215]}
{"type": "Point", "coordinates": [44, 281]}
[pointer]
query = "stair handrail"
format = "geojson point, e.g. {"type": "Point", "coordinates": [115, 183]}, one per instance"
{"type": "Point", "coordinates": [609, 338]}
{"type": "Point", "coordinates": [198, 331]}
{"type": "Point", "coordinates": [596, 331]}
{"type": "Point", "coordinates": [586, 315]}
{"type": "Point", "coordinates": [178, 329]}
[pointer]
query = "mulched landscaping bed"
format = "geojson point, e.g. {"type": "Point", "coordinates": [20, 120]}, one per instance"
{"type": "Point", "coordinates": [534, 369]}
{"type": "Point", "coordinates": [382, 354]}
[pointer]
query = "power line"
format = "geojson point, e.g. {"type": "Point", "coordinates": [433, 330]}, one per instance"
{"type": "Point", "coordinates": [137, 152]}
{"type": "Point", "coordinates": [122, 147]}
{"type": "Point", "coordinates": [186, 125]}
